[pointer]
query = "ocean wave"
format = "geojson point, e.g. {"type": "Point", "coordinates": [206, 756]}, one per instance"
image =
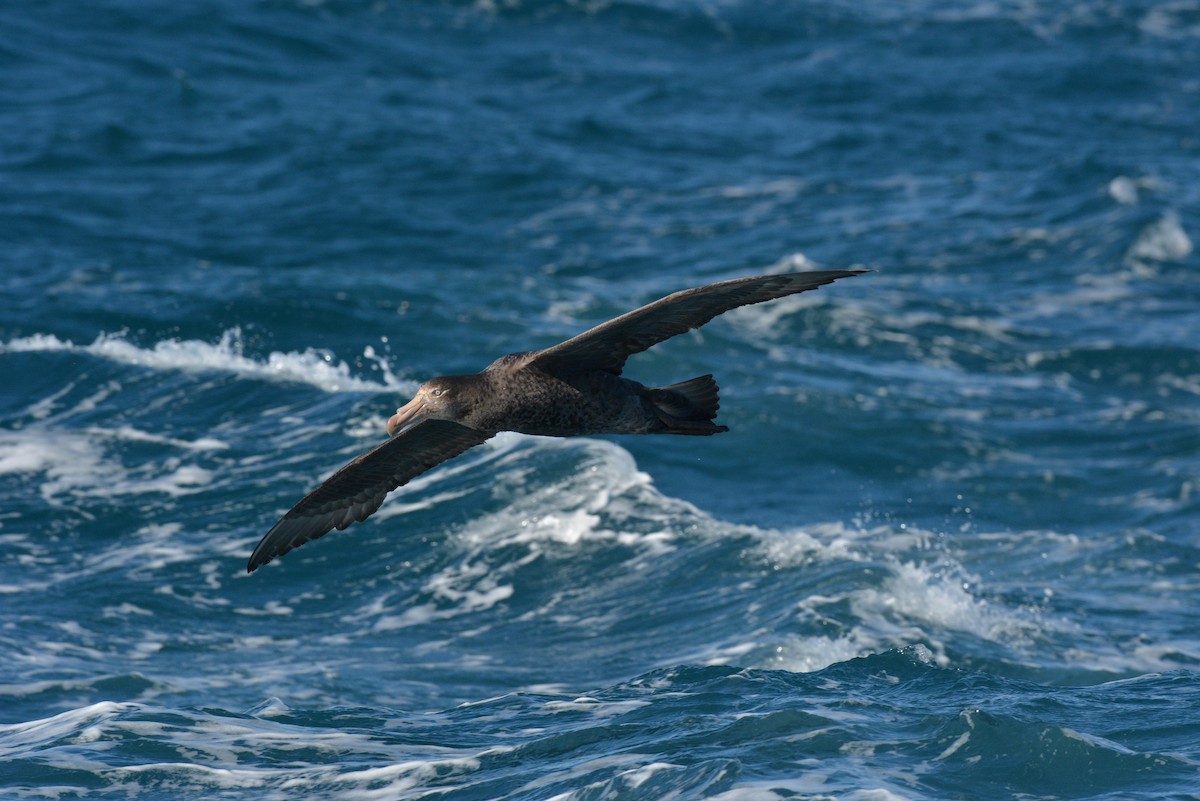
{"type": "Point", "coordinates": [554, 536]}
{"type": "Point", "coordinates": [681, 731]}
{"type": "Point", "coordinates": [565, 546]}
{"type": "Point", "coordinates": [550, 539]}
{"type": "Point", "coordinates": [318, 368]}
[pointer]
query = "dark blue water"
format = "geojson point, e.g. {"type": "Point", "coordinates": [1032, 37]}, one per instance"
{"type": "Point", "coordinates": [950, 548]}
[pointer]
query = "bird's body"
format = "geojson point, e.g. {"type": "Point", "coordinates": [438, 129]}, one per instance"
{"type": "Point", "coordinates": [574, 388]}
{"type": "Point", "coordinates": [513, 395]}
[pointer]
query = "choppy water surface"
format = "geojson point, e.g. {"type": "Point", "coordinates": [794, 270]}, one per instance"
{"type": "Point", "coordinates": [949, 548]}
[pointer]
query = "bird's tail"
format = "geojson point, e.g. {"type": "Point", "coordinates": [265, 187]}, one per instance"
{"type": "Point", "coordinates": [688, 407]}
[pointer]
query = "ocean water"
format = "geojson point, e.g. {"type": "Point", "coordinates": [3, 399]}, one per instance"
{"type": "Point", "coordinates": [950, 548]}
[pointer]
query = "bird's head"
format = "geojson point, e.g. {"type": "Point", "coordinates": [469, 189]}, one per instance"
{"type": "Point", "coordinates": [437, 399]}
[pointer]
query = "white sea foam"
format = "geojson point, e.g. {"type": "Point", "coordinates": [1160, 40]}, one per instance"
{"type": "Point", "coordinates": [604, 487]}
{"type": "Point", "coordinates": [1172, 20]}
{"type": "Point", "coordinates": [576, 771]}
{"type": "Point", "coordinates": [319, 368]}
{"type": "Point", "coordinates": [595, 707]}
{"type": "Point", "coordinates": [1127, 191]}
{"type": "Point", "coordinates": [1162, 240]}
{"type": "Point", "coordinates": [18, 738]}
{"type": "Point", "coordinates": [392, 781]}
{"type": "Point", "coordinates": [211, 749]}
{"type": "Point", "coordinates": [638, 776]}
{"type": "Point", "coordinates": [79, 464]}
{"type": "Point", "coordinates": [817, 783]}
{"type": "Point", "coordinates": [914, 601]}
{"type": "Point", "coordinates": [587, 503]}
{"type": "Point", "coordinates": [67, 461]}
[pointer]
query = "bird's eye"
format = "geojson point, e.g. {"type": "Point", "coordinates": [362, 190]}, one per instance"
{"type": "Point", "coordinates": [437, 393]}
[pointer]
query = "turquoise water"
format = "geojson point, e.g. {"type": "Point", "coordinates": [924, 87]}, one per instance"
{"type": "Point", "coordinates": [949, 548]}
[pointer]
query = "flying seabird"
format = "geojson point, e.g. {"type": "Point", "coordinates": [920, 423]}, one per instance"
{"type": "Point", "coordinates": [573, 388]}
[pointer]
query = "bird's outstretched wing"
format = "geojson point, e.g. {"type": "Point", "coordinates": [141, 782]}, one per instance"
{"type": "Point", "coordinates": [607, 346]}
{"type": "Point", "coordinates": [356, 491]}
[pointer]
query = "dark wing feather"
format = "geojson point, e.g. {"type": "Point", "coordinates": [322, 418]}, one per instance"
{"type": "Point", "coordinates": [356, 491]}
{"type": "Point", "coordinates": [607, 346]}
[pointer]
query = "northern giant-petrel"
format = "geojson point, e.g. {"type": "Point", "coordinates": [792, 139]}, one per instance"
{"type": "Point", "coordinates": [572, 388]}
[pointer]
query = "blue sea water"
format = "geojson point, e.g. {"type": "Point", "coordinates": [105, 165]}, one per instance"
{"type": "Point", "coordinates": [950, 548]}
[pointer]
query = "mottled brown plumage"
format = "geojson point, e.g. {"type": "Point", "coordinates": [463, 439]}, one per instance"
{"type": "Point", "coordinates": [573, 388]}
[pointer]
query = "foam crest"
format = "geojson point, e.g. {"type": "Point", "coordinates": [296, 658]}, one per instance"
{"type": "Point", "coordinates": [895, 597]}
{"type": "Point", "coordinates": [316, 367]}
{"type": "Point", "coordinates": [597, 495]}
{"type": "Point", "coordinates": [150, 549]}
{"type": "Point", "coordinates": [17, 739]}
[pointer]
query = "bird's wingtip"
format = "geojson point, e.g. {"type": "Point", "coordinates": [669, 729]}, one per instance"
{"type": "Point", "coordinates": [263, 553]}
